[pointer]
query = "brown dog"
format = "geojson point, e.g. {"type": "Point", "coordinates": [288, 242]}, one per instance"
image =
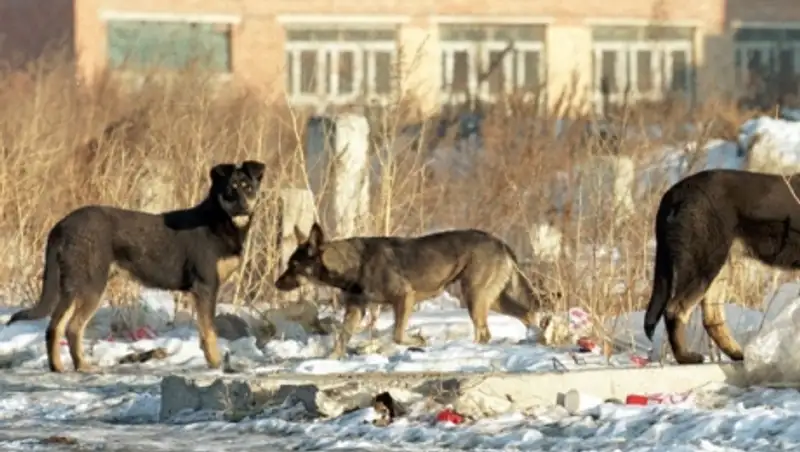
{"type": "Point", "coordinates": [400, 272]}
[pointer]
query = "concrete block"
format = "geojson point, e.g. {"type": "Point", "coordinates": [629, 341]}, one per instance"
{"type": "Point", "coordinates": [241, 396]}
{"type": "Point", "coordinates": [496, 394]}
{"type": "Point", "coordinates": [473, 395]}
{"type": "Point", "coordinates": [181, 394]}
{"type": "Point", "coordinates": [327, 402]}
{"type": "Point", "coordinates": [297, 210]}
{"type": "Point", "coordinates": [337, 165]}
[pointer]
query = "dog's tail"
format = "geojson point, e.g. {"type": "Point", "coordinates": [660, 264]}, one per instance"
{"type": "Point", "coordinates": [662, 278]}
{"type": "Point", "coordinates": [521, 297]}
{"type": "Point", "coordinates": [51, 286]}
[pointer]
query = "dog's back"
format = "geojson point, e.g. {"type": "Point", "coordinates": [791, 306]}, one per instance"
{"type": "Point", "coordinates": [146, 245]}
{"type": "Point", "coordinates": [431, 262]}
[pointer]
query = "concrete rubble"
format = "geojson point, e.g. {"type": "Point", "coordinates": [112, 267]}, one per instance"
{"type": "Point", "coordinates": [321, 396]}
{"type": "Point", "coordinates": [471, 395]}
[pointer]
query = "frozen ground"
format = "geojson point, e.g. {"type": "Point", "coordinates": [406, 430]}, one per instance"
{"type": "Point", "coordinates": [119, 410]}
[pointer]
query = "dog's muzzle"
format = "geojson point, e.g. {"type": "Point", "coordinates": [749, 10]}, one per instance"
{"type": "Point", "coordinates": [287, 282]}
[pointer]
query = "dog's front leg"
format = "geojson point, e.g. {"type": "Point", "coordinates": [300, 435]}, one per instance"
{"type": "Point", "coordinates": [403, 305]}
{"type": "Point", "coordinates": [353, 314]}
{"type": "Point", "coordinates": [205, 298]}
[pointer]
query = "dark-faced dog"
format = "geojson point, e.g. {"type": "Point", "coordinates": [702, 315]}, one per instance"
{"type": "Point", "coordinates": [191, 250]}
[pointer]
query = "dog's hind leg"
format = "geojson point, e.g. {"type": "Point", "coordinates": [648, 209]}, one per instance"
{"type": "Point", "coordinates": [713, 306]}
{"type": "Point", "coordinates": [485, 296]}
{"type": "Point", "coordinates": [55, 331]}
{"type": "Point", "coordinates": [85, 307]}
{"type": "Point", "coordinates": [692, 281]}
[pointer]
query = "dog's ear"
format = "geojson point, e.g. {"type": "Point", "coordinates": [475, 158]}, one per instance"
{"type": "Point", "coordinates": [221, 172]}
{"type": "Point", "coordinates": [299, 236]}
{"type": "Point", "coordinates": [254, 169]}
{"type": "Point", "coordinates": [316, 237]}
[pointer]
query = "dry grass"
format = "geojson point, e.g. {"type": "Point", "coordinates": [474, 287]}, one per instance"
{"type": "Point", "coordinates": [66, 145]}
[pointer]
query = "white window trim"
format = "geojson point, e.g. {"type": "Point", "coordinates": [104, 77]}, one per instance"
{"type": "Point", "coordinates": [628, 49]}
{"type": "Point", "coordinates": [496, 20]}
{"type": "Point", "coordinates": [479, 52]}
{"type": "Point", "coordinates": [109, 15]}
{"type": "Point", "coordinates": [737, 24]}
{"type": "Point", "coordinates": [639, 22]}
{"type": "Point", "coordinates": [340, 19]}
{"type": "Point", "coordinates": [361, 69]}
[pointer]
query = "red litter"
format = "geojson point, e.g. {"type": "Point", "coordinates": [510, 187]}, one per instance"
{"type": "Point", "coordinates": [448, 415]}
{"type": "Point", "coordinates": [586, 345]}
{"type": "Point", "coordinates": [636, 399]}
{"type": "Point", "coordinates": [659, 399]}
{"type": "Point", "coordinates": [640, 361]}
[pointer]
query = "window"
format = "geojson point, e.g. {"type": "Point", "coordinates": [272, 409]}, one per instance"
{"type": "Point", "coordinates": [339, 65]}
{"type": "Point", "coordinates": [767, 57]}
{"type": "Point", "coordinates": [641, 63]}
{"type": "Point", "coordinates": [135, 45]}
{"type": "Point", "coordinates": [477, 60]}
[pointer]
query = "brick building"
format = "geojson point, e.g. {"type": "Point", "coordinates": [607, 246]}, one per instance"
{"type": "Point", "coordinates": [338, 51]}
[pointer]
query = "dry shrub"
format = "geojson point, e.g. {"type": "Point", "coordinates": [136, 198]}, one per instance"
{"type": "Point", "coordinates": [65, 144]}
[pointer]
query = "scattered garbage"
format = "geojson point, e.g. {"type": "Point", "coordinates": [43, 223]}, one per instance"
{"type": "Point", "coordinates": [144, 356]}
{"type": "Point", "coordinates": [770, 357]}
{"type": "Point", "coordinates": [682, 399]}
{"type": "Point", "coordinates": [385, 410]}
{"type": "Point", "coordinates": [586, 345]}
{"type": "Point", "coordinates": [447, 415]}
{"type": "Point", "coordinates": [639, 361]}
{"type": "Point", "coordinates": [575, 401]}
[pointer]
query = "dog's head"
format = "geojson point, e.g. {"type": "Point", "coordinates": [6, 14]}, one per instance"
{"type": "Point", "coordinates": [305, 263]}
{"type": "Point", "coordinates": [235, 188]}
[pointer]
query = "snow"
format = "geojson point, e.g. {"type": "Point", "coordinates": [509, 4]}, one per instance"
{"type": "Point", "coordinates": [121, 406]}
{"type": "Point", "coordinates": [118, 409]}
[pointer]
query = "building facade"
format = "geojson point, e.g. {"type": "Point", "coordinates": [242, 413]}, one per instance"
{"type": "Point", "coordinates": [343, 51]}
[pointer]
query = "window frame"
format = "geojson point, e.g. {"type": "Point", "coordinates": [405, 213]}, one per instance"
{"type": "Point", "coordinates": [626, 71]}
{"type": "Point", "coordinates": [478, 61]}
{"type": "Point", "coordinates": [769, 46]}
{"type": "Point", "coordinates": [365, 69]}
{"type": "Point", "coordinates": [137, 72]}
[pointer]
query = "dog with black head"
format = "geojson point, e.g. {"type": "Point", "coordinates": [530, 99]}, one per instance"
{"type": "Point", "coordinates": [190, 250]}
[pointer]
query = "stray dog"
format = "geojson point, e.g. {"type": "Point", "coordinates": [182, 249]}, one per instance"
{"type": "Point", "coordinates": [697, 222]}
{"type": "Point", "coordinates": [191, 251]}
{"type": "Point", "coordinates": [401, 271]}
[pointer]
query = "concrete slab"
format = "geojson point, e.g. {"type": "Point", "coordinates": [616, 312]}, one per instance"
{"type": "Point", "coordinates": [474, 395]}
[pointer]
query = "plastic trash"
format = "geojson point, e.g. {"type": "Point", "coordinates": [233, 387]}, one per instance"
{"type": "Point", "coordinates": [661, 398]}
{"type": "Point", "coordinates": [448, 415]}
{"type": "Point", "coordinates": [773, 354]}
{"type": "Point", "coordinates": [575, 401]}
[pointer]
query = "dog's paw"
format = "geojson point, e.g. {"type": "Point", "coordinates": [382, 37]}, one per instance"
{"type": "Point", "coordinates": [90, 369]}
{"type": "Point", "coordinates": [335, 355]}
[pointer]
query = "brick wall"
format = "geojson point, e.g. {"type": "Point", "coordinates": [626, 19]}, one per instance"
{"type": "Point", "coordinates": [763, 10]}
{"type": "Point", "coordinates": [29, 28]}
{"type": "Point", "coordinates": [258, 39]}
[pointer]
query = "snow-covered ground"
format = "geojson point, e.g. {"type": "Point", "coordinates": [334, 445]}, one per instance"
{"type": "Point", "coordinates": [121, 413]}
{"type": "Point", "coordinates": [118, 409]}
